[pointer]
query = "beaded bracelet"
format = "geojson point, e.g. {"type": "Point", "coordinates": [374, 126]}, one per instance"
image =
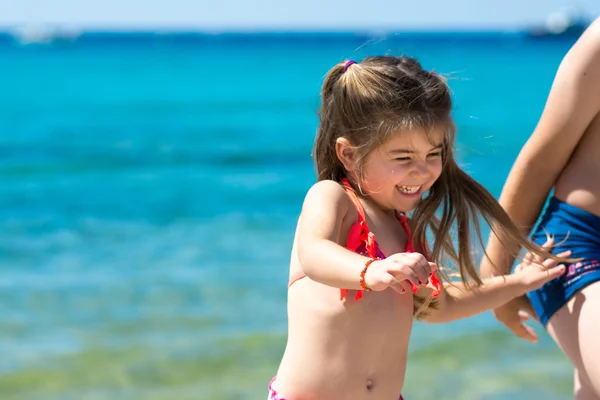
{"type": "Point", "coordinates": [362, 275]}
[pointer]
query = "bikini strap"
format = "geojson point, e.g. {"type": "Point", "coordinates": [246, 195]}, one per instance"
{"type": "Point", "coordinates": [352, 194]}
{"type": "Point", "coordinates": [359, 233]}
{"type": "Point", "coordinates": [409, 244]}
{"type": "Point", "coordinates": [404, 221]}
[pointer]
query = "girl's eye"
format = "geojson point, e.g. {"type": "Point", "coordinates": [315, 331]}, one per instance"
{"type": "Point", "coordinates": [436, 154]}
{"type": "Point", "coordinates": [403, 159]}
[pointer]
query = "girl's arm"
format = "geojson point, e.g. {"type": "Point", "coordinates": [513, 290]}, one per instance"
{"type": "Point", "coordinates": [320, 247]}
{"type": "Point", "coordinates": [323, 258]}
{"type": "Point", "coordinates": [572, 104]}
{"type": "Point", "coordinates": [457, 301]}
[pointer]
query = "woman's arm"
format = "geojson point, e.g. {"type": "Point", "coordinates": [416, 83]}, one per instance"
{"type": "Point", "coordinates": [573, 102]}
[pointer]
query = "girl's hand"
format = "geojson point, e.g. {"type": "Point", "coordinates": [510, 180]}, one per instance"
{"type": "Point", "coordinates": [534, 271]}
{"type": "Point", "coordinates": [399, 271]}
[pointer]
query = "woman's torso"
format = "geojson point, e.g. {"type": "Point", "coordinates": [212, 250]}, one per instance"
{"type": "Point", "coordinates": [579, 182]}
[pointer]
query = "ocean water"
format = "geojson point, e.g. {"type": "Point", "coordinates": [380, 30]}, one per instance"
{"type": "Point", "coordinates": [149, 189]}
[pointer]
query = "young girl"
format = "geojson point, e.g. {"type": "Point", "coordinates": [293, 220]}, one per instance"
{"type": "Point", "coordinates": [358, 268]}
{"type": "Point", "coordinates": [562, 154]}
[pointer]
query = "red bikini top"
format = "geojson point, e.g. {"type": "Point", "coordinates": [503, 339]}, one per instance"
{"type": "Point", "coordinates": [362, 241]}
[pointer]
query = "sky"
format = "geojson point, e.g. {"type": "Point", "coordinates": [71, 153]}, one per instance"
{"type": "Point", "coordinates": [239, 15]}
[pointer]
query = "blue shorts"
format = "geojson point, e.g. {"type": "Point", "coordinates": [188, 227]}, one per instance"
{"type": "Point", "coordinates": [576, 230]}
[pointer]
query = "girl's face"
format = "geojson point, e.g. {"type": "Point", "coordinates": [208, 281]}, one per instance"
{"type": "Point", "coordinates": [397, 173]}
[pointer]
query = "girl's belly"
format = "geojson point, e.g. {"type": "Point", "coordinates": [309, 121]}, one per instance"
{"type": "Point", "coordinates": [347, 350]}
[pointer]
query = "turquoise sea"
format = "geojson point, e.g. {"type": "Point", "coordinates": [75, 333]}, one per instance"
{"type": "Point", "coordinates": [149, 189]}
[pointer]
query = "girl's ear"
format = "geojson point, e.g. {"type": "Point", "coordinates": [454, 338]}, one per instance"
{"type": "Point", "coordinates": [346, 153]}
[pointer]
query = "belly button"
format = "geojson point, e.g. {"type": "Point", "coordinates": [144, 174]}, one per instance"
{"type": "Point", "coordinates": [370, 384]}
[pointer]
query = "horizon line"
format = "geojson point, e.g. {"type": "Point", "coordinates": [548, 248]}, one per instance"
{"type": "Point", "coordinates": [149, 28]}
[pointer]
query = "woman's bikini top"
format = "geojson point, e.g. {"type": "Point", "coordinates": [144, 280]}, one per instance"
{"type": "Point", "coordinates": [362, 241]}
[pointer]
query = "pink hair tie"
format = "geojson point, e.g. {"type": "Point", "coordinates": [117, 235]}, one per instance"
{"type": "Point", "coordinates": [348, 63]}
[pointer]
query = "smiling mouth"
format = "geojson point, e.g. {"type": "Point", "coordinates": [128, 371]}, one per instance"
{"type": "Point", "coordinates": [410, 189]}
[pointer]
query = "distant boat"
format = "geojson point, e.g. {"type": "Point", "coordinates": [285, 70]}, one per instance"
{"type": "Point", "coordinates": [560, 25]}
{"type": "Point", "coordinates": [40, 34]}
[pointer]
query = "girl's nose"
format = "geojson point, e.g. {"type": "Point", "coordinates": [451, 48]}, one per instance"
{"type": "Point", "coordinates": [421, 170]}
